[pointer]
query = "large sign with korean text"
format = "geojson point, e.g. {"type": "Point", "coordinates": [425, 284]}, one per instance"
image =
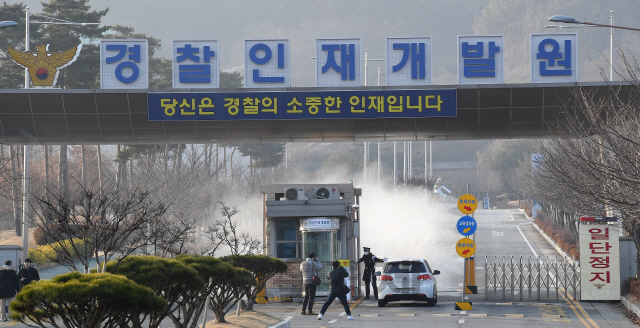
{"type": "Point", "coordinates": [554, 57]}
{"type": "Point", "coordinates": [301, 105]}
{"type": "Point", "coordinates": [480, 59]}
{"type": "Point", "coordinates": [195, 64]}
{"type": "Point", "coordinates": [409, 61]}
{"type": "Point", "coordinates": [267, 63]}
{"type": "Point", "coordinates": [599, 262]}
{"type": "Point", "coordinates": [124, 64]}
{"type": "Point", "coordinates": [338, 62]}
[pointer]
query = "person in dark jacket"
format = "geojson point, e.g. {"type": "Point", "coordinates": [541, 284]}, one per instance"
{"type": "Point", "coordinates": [9, 287]}
{"type": "Point", "coordinates": [27, 274]}
{"type": "Point", "coordinates": [336, 276]}
{"type": "Point", "coordinates": [369, 275]}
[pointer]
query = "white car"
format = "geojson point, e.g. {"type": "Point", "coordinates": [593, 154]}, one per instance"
{"type": "Point", "coordinates": [407, 280]}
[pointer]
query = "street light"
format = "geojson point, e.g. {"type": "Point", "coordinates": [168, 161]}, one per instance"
{"type": "Point", "coordinates": [25, 182]}
{"type": "Point", "coordinates": [5, 24]}
{"type": "Point", "coordinates": [571, 20]}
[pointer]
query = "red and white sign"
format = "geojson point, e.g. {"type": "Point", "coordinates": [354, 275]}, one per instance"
{"type": "Point", "coordinates": [599, 262]}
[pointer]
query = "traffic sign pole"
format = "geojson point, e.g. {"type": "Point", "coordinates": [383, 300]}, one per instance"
{"type": "Point", "coordinates": [466, 248]}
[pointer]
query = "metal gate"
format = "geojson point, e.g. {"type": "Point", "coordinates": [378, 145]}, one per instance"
{"type": "Point", "coordinates": [532, 276]}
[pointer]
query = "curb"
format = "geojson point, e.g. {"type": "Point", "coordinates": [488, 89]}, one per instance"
{"type": "Point", "coordinates": [629, 305]}
{"type": "Point", "coordinates": [552, 243]}
{"type": "Point", "coordinates": [281, 324]}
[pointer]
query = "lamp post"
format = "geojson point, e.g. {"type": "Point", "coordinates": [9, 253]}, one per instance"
{"type": "Point", "coordinates": [571, 20]}
{"type": "Point", "coordinates": [25, 182]}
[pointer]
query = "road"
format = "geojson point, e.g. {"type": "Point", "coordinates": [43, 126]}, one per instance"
{"type": "Point", "coordinates": [500, 233]}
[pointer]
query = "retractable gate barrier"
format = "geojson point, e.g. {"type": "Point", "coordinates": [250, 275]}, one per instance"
{"type": "Point", "coordinates": [532, 276]}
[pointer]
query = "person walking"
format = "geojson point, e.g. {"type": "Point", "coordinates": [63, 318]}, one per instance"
{"type": "Point", "coordinates": [309, 269]}
{"type": "Point", "coordinates": [338, 289]}
{"type": "Point", "coordinates": [369, 275]}
{"type": "Point", "coordinates": [27, 274]}
{"type": "Point", "coordinates": [9, 287]}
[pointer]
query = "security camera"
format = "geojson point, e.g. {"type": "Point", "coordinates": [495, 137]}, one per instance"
{"type": "Point", "coordinates": [355, 207]}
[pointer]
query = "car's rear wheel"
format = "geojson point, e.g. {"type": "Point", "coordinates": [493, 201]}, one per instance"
{"type": "Point", "coordinates": [435, 296]}
{"type": "Point", "coordinates": [431, 301]}
{"type": "Point", "coordinates": [381, 303]}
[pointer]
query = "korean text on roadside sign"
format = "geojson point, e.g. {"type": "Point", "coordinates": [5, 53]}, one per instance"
{"type": "Point", "coordinates": [466, 226]}
{"type": "Point", "coordinates": [600, 262]}
{"type": "Point", "coordinates": [467, 204]}
{"type": "Point", "coordinates": [466, 247]}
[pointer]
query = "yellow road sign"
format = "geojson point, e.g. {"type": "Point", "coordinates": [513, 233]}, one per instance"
{"type": "Point", "coordinates": [466, 247]}
{"type": "Point", "coordinates": [467, 204]}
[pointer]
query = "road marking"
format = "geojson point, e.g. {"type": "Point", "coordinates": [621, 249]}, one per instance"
{"type": "Point", "coordinates": [441, 314]}
{"type": "Point", "coordinates": [544, 315]}
{"type": "Point", "coordinates": [288, 318]}
{"type": "Point", "coordinates": [463, 312]}
{"type": "Point", "coordinates": [406, 315]}
{"type": "Point", "coordinates": [461, 321]}
{"type": "Point", "coordinates": [354, 304]}
{"type": "Point", "coordinates": [477, 314]}
{"type": "Point", "coordinates": [514, 315]}
{"type": "Point", "coordinates": [525, 239]}
{"type": "Point", "coordinates": [572, 302]}
{"type": "Point", "coordinates": [333, 321]}
{"type": "Point", "coordinates": [342, 313]}
{"type": "Point", "coordinates": [369, 315]}
{"type": "Point", "coordinates": [510, 215]}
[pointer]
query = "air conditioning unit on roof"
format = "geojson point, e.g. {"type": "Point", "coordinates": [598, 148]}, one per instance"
{"type": "Point", "coordinates": [327, 193]}
{"type": "Point", "coordinates": [294, 193]}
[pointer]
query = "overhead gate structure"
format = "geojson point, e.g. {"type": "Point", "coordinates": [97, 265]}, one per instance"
{"type": "Point", "coordinates": [533, 276]}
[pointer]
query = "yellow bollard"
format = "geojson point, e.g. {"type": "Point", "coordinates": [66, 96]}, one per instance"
{"type": "Point", "coordinates": [262, 298]}
{"type": "Point", "coordinates": [470, 283]}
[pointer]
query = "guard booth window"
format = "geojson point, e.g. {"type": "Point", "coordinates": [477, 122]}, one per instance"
{"type": "Point", "coordinates": [287, 239]}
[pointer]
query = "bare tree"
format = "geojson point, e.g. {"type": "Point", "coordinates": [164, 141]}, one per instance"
{"type": "Point", "coordinates": [108, 223]}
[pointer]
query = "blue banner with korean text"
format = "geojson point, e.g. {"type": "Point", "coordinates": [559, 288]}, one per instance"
{"type": "Point", "coordinates": [292, 105]}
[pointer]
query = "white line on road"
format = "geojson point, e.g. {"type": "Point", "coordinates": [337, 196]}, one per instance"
{"type": "Point", "coordinates": [288, 318]}
{"type": "Point", "coordinates": [342, 313]}
{"type": "Point", "coordinates": [525, 239]}
{"type": "Point", "coordinates": [461, 321]}
{"type": "Point", "coordinates": [333, 321]}
{"type": "Point", "coordinates": [463, 312]}
{"type": "Point", "coordinates": [510, 215]}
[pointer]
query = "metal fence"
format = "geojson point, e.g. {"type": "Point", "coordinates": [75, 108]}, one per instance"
{"type": "Point", "coordinates": [531, 276]}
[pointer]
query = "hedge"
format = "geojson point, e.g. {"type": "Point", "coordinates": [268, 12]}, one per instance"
{"type": "Point", "coordinates": [43, 254]}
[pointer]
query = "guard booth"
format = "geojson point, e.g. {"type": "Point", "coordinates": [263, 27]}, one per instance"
{"type": "Point", "coordinates": [303, 218]}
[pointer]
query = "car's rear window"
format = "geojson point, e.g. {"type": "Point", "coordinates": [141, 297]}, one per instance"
{"type": "Point", "coordinates": [405, 267]}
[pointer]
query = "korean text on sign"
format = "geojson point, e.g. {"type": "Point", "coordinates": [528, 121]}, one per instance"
{"type": "Point", "coordinates": [599, 262]}
{"type": "Point", "coordinates": [301, 105]}
{"type": "Point", "coordinates": [195, 64]}
{"type": "Point", "coordinates": [124, 64]}
{"type": "Point", "coordinates": [553, 58]}
{"type": "Point", "coordinates": [409, 61]}
{"type": "Point", "coordinates": [267, 63]}
{"type": "Point", "coordinates": [481, 59]}
{"type": "Point", "coordinates": [338, 62]}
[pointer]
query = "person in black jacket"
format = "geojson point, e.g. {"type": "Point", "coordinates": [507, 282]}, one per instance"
{"type": "Point", "coordinates": [369, 275]}
{"type": "Point", "coordinates": [9, 287]}
{"type": "Point", "coordinates": [27, 274]}
{"type": "Point", "coordinates": [338, 289]}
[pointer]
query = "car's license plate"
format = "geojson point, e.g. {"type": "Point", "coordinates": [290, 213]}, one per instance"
{"type": "Point", "coordinates": [404, 290]}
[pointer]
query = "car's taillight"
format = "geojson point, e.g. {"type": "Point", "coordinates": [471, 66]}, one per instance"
{"type": "Point", "coordinates": [424, 277]}
{"type": "Point", "coordinates": [386, 278]}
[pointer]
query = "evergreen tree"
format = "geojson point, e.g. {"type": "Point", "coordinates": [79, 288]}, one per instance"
{"type": "Point", "coordinates": [84, 72]}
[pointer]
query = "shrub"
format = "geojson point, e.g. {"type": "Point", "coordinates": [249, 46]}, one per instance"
{"type": "Point", "coordinates": [83, 300]}
{"type": "Point", "coordinates": [44, 235]}
{"type": "Point", "coordinates": [47, 253]}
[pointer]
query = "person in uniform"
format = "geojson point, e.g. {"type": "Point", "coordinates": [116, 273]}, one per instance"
{"type": "Point", "coordinates": [369, 275]}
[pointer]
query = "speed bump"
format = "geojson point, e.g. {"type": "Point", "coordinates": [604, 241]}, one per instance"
{"type": "Point", "coordinates": [464, 306]}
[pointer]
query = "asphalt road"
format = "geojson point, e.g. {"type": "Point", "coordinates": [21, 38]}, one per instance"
{"type": "Point", "coordinates": [500, 233]}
